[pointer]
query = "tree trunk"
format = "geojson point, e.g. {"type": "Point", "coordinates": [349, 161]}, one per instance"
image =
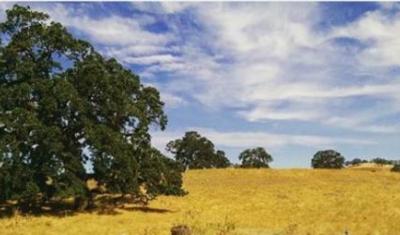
{"type": "Point", "coordinates": [80, 203]}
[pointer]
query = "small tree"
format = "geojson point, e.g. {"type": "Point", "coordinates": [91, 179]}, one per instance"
{"type": "Point", "coordinates": [256, 157]}
{"type": "Point", "coordinates": [327, 159]}
{"type": "Point", "coordinates": [195, 152]}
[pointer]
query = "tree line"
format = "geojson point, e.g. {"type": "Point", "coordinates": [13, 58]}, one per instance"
{"type": "Point", "coordinates": [194, 151]}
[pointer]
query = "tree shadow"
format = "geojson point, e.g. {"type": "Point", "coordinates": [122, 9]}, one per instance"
{"type": "Point", "coordinates": [64, 209]}
{"type": "Point", "coordinates": [146, 209]}
{"type": "Point", "coordinates": [8, 210]}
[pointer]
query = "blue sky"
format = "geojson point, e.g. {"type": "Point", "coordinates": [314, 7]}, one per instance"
{"type": "Point", "coordinates": [294, 78]}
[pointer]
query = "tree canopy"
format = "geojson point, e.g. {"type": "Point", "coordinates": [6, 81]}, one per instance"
{"type": "Point", "coordinates": [381, 161]}
{"type": "Point", "coordinates": [327, 159]}
{"type": "Point", "coordinates": [64, 106]}
{"type": "Point", "coordinates": [355, 162]}
{"type": "Point", "coordinates": [195, 152]}
{"type": "Point", "coordinates": [255, 157]}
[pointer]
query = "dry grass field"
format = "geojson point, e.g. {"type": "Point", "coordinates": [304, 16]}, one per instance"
{"type": "Point", "coordinates": [241, 201]}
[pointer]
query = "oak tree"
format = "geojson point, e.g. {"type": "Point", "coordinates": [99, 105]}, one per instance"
{"type": "Point", "coordinates": [255, 158]}
{"type": "Point", "coordinates": [195, 152]}
{"type": "Point", "coordinates": [63, 106]}
{"type": "Point", "coordinates": [327, 159]}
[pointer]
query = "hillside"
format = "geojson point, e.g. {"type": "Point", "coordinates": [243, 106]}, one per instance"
{"type": "Point", "coordinates": [238, 201]}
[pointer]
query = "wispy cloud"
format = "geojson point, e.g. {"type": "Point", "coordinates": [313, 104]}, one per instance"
{"type": "Point", "coordinates": [264, 61]}
{"type": "Point", "coordinates": [272, 62]}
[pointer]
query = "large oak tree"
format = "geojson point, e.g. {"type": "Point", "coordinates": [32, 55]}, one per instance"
{"type": "Point", "coordinates": [64, 106]}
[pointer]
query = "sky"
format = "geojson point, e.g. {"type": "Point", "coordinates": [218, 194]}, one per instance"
{"type": "Point", "coordinates": [293, 78]}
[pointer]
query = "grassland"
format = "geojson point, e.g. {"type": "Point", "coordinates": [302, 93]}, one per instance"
{"type": "Point", "coordinates": [239, 201]}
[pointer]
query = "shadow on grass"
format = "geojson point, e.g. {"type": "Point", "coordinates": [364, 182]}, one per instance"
{"type": "Point", "coordinates": [146, 209]}
{"type": "Point", "coordinates": [63, 209]}
{"type": "Point", "coordinates": [9, 210]}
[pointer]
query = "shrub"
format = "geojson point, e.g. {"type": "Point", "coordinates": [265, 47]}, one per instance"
{"type": "Point", "coordinates": [396, 168]}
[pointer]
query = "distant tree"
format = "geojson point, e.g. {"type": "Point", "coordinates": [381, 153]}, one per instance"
{"type": "Point", "coordinates": [58, 96]}
{"type": "Point", "coordinates": [381, 161]}
{"type": "Point", "coordinates": [195, 152]}
{"type": "Point", "coordinates": [255, 157]}
{"type": "Point", "coordinates": [355, 162]}
{"type": "Point", "coordinates": [327, 159]}
{"type": "Point", "coordinates": [396, 168]}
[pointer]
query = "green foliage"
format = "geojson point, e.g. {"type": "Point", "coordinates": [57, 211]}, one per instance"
{"type": "Point", "coordinates": [327, 159]}
{"type": "Point", "coordinates": [381, 161]}
{"type": "Point", "coordinates": [378, 160]}
{"type": "Point", "coordinates": [255, 158]}
{"type": "Point", "coordinates": [396, 168]}
{"type": "Point", "coordinates": [196, 152]}
{"type": "Point", "coordinates": [355, 162]}
{"type": "Point", "coordinates": [59, 96]}
{"type": "Point", "coordinates": [161, 175]}
{"type": "Point", "coordinates": [221, 161]}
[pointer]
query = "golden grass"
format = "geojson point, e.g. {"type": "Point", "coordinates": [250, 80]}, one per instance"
{"type": "Point", "coordinates": [245, 201]}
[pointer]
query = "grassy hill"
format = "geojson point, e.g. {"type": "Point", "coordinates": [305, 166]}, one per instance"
{"type": "Point", "coordinates": [246, 201]}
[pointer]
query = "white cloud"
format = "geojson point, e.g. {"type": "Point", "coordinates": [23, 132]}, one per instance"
{"type": "Point", "coordinates": [175, 7]}
{"type": "Point", "coordinates": [379, 30]}
{"type": "Point", "coordinates": [172, 100]}
{"type": "Point", "coordinates": [137, 50]}
{"type": "Point", "coordinates": [3, 7]}
{"type": "Point", "coordinates": [162, 7]}
{"type": "Point", "coordinates": [276, 54]}
{"type": "Point", "coordinates": [153, 59]}
{"type": "Point", "coordinates": [267, 61]}
{"type": "Point", "coordinates": [111, 31]}
{"type": "Point", "coordinates": [125, 38]}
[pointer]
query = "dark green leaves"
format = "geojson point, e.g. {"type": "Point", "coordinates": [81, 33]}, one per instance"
{"type": "Point", "coordinates": [256, 157]}
{"type": "Point", "coordinates": [195, 152]}
{"type": "Point", "coordinates": [59, 96]}
{"type": "Point", "coordinates": [327, 159]}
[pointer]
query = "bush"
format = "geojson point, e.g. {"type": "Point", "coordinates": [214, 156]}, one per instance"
{"type": "Point", "coordinates": [396, 168]}
{"type": "Point", "coordinates": [327, 159]}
